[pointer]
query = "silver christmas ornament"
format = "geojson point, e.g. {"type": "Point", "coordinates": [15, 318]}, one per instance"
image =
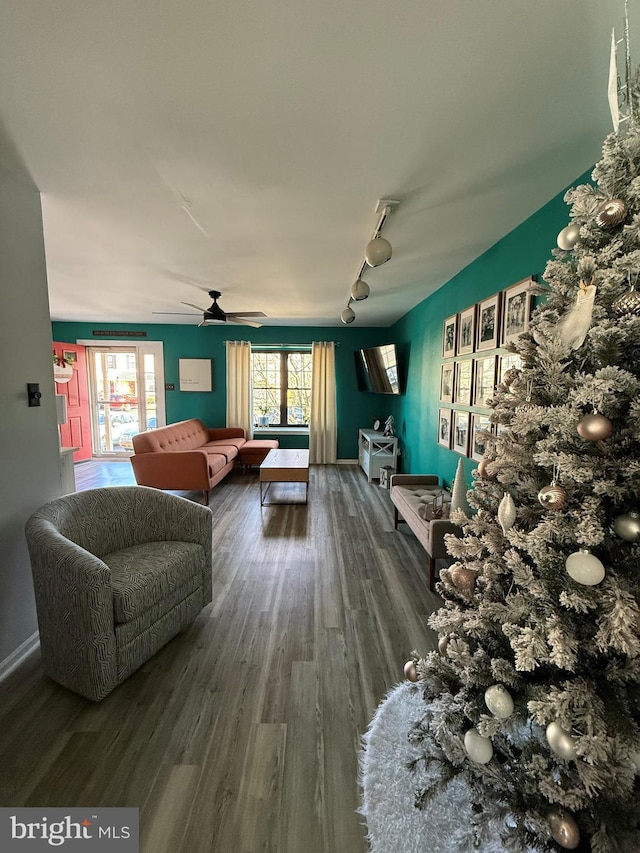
{"type": "Point", "coordinates": [462, 578]}
{"type": "Point", "coordinates": [553, 497]}
{"type": "Point", "coordinates": [443, 644]}
{"type": "Point", "coordinates": [564, 829]}
{"type": "Point", "coordinates": [611, 213]}
{"type": "Point", "coordinates": [506, 512]}
{"type": "Point", "coordinates": [410, 671]}
{"type": "Point", "coordinates": [499, 701]}
{"type": "Point", "coordinates": [561, 741]}
{"type": "Point", "coordinates": [584, 568]}
{"type": "Point", "coordinates": [594, 427]}
{"type": "Point", "coordinates": [628, 303]}
{"type": "Point", "coordinates": [568, 237]}
{"type": "Point", "coordinates": [479, 749]}
{"type": "Point", "coordinates": [627, 526]}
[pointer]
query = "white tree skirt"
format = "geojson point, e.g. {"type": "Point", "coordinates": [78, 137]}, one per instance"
{"type": "Point", "coordinates": [394, 824]}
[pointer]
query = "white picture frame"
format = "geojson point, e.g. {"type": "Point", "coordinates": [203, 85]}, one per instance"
{"type": "Point", "coordinates": [466, 331]}
{"type": "Point", "coordinates": [479, 423]}
{"type": "Point", "coordinates": [444, 427]}
{"type": "Point", "coordinates": [484, 383]}
{"type": "Point", "coordinates": [447, 372]}
{"type": "Point", "coordinates": [195, 374]}
{"type": "Point", "coordinates": [463, 382]}
{"type": "Point", "coordinates": [449, 336]}
{"type": "Point", "coordinates": [517, 304]}
{"type": "Point", "coordinates": [460, 432]}
{"type": "Point", "coordinates": [488, 323]}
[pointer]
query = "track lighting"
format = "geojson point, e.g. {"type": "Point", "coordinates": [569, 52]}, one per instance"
{"type": "Point", "coordinates": [378, 252]}
{"type": "Point", "coordinates": [348, 315]}
{"type": "Point", "coordinates": [360, 290]}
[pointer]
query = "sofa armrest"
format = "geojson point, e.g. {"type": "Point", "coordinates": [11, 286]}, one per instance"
{"type": "Point", "coordinates": [216, 433]}
{"type": "Point", "coordinates": [414, 479]}
{"type": "Point", "coordinates": [172, 469]}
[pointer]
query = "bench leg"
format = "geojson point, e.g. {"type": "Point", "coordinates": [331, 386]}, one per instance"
{"type": "Point", "coordinates": [396, 518]}
{"type": "Point", "coordinates": [206, 497]}
{"type": "Point", "coordinates": [432, 572]}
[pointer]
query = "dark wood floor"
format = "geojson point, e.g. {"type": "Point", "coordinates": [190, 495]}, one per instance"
{"type": "Point", "coordinates": [242, 734]}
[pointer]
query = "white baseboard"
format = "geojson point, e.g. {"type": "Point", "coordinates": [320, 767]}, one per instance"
{"type": "Point", "coordinates": [16, 657]}
{"type": "Point", "coordinates": [346, 461]}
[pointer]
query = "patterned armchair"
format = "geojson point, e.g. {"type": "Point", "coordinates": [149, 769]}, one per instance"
{"type": "Point", "coordinates": [117, 573]}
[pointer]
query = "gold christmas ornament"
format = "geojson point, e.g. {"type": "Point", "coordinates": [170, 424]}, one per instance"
{"type": "Point", "coordinates": [443, 644]}
{"type": "Point", "coordinates": [628, 303]}
{"type": "Point", "coordinates": [479, 748]}
{"type": "Point", "coordinates": [561, 741]}
{"type": "Point", "coordinates": [611, 213]}
{"type": "Point", "coordinates": [627, 526]}
{"type": "Point", "coordinates": [584, 568]}
{"type": "Point", "coordinates": [564, 829]}
{"type": "Point", "coordinates": [499, 701]}
{"type": "Point", "coordinates": [462, 578]}
{"type": "Point", "coordinates": [568, 237]}
{"type": "Point", "coordinates": [510, 376]}
{"type": "Point", "coordinates": [506, 512]}
{"type": "Point", "coordinates": [594, 427]}
{"type": "Point", "coordinates": [553, 497]}
{"type": "Point", "coordinates": [410, 671]}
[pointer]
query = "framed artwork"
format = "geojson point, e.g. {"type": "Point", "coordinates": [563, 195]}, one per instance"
{"type": "Point", "coordinates": [506, 362]}
{"type": "Point", "coordinates": [485, 380]}
{"type": "Point", "coordinates": [463, 381]}
{"type": "Point", "coordinates": [466, 330]}
{"type": "Point", "coordinates": [446, 382]}
{"type": "Point", "coordinates": [444, 427]}
{"type": "Point", "coordinates": [69, 357]}
{"type": "Point", "coordinates": [489, 323]}
{"type": "Point", "coordinates": [449, 331]}
{"type": "Point", "coordinates": [479, 424]}
{"type": "Point", "coordinates": [195, 374]}
{"type": "Point", "coordinates": [460, 431]}
{"type": "Point", "coordinates": [516, 310]}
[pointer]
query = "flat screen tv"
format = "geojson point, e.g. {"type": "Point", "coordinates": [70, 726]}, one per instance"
{"type": "Point", "coordinates": [377, 369]}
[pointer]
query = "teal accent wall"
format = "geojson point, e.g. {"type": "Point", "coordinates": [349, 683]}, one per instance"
{"type": "Point", "coordinates": [418, 335]}
{"type": "Point", "coordinates": [355, 409]}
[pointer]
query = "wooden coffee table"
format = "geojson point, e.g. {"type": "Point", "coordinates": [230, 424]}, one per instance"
{"type": "Point", "coordinates": [284, 466]}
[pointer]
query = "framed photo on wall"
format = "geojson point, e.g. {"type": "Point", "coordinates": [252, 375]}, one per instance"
{"type": "Point", "coordinates": [488, 323]}
{"type": "Point", "coordinates": [463, 382]}
{"type": "Point", "coordinates": [517, 303]}
{"type": "Point", "coordinates": [479, 424]}
{"type": "Point", "coordinates": [485, 380]}
{"type": "Point", "coordinates": [446, 382]}
{"type": "Point", "coordinates": [449, 334]}
{"type": "Point", "coordinates": [466, 330]}
{"type": "Point", "coordinates": [444, 427]}
{"type": "Point", "coordinates": [460, 430]}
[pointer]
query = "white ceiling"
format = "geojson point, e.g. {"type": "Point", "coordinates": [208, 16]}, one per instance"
{"type": "Point", "coordinates": [243, 145]}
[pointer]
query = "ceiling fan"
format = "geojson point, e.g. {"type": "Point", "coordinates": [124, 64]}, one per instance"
{"type": "Point", "coordinates": [215, 314]}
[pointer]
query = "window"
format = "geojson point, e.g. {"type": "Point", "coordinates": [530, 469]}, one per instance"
{"type": "Point", "coordinates": [281, 381]}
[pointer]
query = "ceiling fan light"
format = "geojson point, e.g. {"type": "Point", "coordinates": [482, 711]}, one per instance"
{"type": "Point", "coordinates": [378, 251]}
{"type": "Point", "coordinates": [348, 316]}
{"type": "Point", "coordinates": [360, 290]}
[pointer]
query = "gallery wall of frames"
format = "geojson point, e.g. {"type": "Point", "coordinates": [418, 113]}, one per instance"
{"type": "Point", "coordinates": [474, 361]}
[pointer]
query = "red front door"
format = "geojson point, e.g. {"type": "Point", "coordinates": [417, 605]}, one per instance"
{"type": "Point", "coordinates": [77, 430]}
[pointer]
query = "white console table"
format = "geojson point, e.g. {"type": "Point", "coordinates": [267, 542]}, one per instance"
{"type": "Point", "coordinates": [376, 450]}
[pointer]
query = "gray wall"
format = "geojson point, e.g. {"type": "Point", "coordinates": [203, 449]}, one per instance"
{"type": "Point", "coordinates": [30, 463]}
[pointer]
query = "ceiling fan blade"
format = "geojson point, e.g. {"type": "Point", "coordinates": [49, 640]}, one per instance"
{"type": "Point", "coordinates": [243, 322]}
{"type": "Point", "coordinates": [174, 313]}
{"type": "Point", "coordinates": [197, 307]}
{"type": "Point", "coordinates": [245, 314]}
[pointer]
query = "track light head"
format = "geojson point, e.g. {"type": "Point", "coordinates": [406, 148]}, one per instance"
{"type": "Point", "coordinates": [360, 290]}
{"type": "Point", "coordinates": [348, 315]}
{"type": "Point", "coordinates": [378, 251]}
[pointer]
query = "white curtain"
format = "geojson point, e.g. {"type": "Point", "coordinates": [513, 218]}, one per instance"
{"type": "Point", "coordinates": [323, 429]}
{"type": "Point", "coordinates": [239, 410]}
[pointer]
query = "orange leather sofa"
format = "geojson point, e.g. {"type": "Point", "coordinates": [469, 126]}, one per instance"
{"type": "Point", "coordinates": [189, 455]}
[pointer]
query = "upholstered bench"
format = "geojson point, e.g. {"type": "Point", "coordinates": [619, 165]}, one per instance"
{"type": "Point", "coordinates": [423, 504]}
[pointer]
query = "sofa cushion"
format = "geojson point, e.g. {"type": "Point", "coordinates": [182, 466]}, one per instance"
{"type": "Point", "coordinates": [217, 462]}
{"type": "Point", "coordinates": [143, 575]}
{"type": "Point", "coordinates": [414, 496]}
{"type": "Point", "coordinates": [186, 435]}
{"type": "Point", "coordinates": [229, 451]}
{"type": "Point", "coordinates": [225, 442]}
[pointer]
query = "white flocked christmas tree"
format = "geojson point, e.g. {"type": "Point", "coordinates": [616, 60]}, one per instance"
{"type": "Point", "coordinates": [534, 696]}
